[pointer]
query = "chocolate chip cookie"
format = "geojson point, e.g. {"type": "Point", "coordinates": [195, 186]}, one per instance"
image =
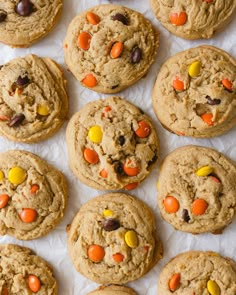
{"type": "Point", "coordinates": [197, 189]}
{"type": "Point", "coordinates": [113, 290]}
{"type": "Point", "coordinates": [194, 19]}
{"type": "Point", "coordinates": [23, 272]}
{"type": "Point", "coordinates": [33, 195]}
{"type": "Point", "coordinates": [195, 92]}
{"type": "Point", "coordinates": [111, 144]}
{"type": "Point", "coordinates": [110, 47]}
{"type": "Point", "coordinates": [198, 273]}
{"type": "Point", "coordinates": [33, 98]}
{"type": "Point", "coordinates": [113, 240]}
{"type": "Point", "coordinates": [23, 22]}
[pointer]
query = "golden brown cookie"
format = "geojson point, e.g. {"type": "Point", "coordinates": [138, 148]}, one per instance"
{"type": "Point", "coordinates": [113, 290]}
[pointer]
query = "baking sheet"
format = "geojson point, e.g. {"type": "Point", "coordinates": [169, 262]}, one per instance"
{"type": "Point", "coordinates": [53, 247]}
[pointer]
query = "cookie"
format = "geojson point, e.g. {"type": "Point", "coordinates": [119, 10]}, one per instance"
{"type": "Point", "coordinates": [24, 22]}
{"type": "Point", "coordinates": [198, 272]}
{"type": "Point", "coordinates": [33, 195]}
{"type": "Point", "coordinates": [113, 240]}
{"type": "Point", "coordinates": [195, 92]}
{"type": "Point", "coordinates": [113, 290]}
{"type": "Point", "coordinates": [194, 19]}
{"type": "Point", "coordinates": [23, 272]}
{"type": "Point", "coordinates": [197, 189]}
{"type": "Point", "coordinates": [110, 47]}
{"type": "Point", "coordinates": [33, 98]}
{"type": "Point", "coordinates": [111, 144]}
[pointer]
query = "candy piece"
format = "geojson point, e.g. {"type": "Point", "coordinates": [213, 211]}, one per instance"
{"type": "Point", "coordinates": [95, 134]}
{"type": "Point", "coordinates": [28, 215]}
{"type": "Point", "coordinates": [119, 168]}
{"type": "Point", "coordinates": [18, 91]}
{"type": "Point", "coordinates": [103, 173]}
{"type": "Point", "coordinates": [107, 213]}
{"type": "Point", "coordinates": [91, 156]}
{"type": "Point", "coordinates": [117, 49]}
{"type": "Point", "coordinates": [16, 120]}
{"type": "Point", "coordinates": [121, 18]}
{"type": "Point", "coordinates": [22, 81]}
{"type": "Point", "coordinates": [199, 207]}
{"type": "Point", "coordinates": [3, 15]}
{"type": "Point", "coordinates": [1, 175]}
{"type": "Point", "coordinates": [107, 109]}
{"type": "Point", "coordinates": [131, 239]}
{"type": "Point", "coordinates": [207, 118]}
{"type": "Point", "coordinates": [215, 179]}
{"type": "Point", "coordinates": [121, 140]}
{"type": "Point", "coordinates": [143, 130]}
{"type": "Point", "coordinates": [131, 186]}
{"type": "Point", "coordinates": [194, 69]}
{"type": "Point", "coordinates": [3, 200]}
{"type": "Point", "coordinates": [213, 288]}
{"type": "Point", "coordinates": [90, 81]}
{"type": "Point", "coordinates": [42, 110]}
{"type": "Point", "coordinates": [118, 257]}
{"type": "Point", "coordinates": [204, 171]}
{"type": "Point", "coordinates": [110, 224]}
{"type": "Point", "coordinates": [84, 39]}
{"type": "Point", "coordinates": [131, 171]}
{"type": "Point", "coordinates": [208, 1]}
{"type": "Point", "coordinates": [96, 253]}
{"type": "Point", "coordinates": [174, 282]}
{"type": "Point", "coordinates": [171, 204]}
{"type": "Point", "coordinates": [92, 18]}
{"type": "Point", "coordinates": [178, 19]}
{"type": "Point", "coordinates": [211, 101]}
{"type": "Point", "coordinates": [34, 283]}
{"type": "Point", "coordinates": [227, 84]}
{"type": "Point", "coordinates": [34, 188]}
{"type": "Point", "coordinates": [24, 8]}
{"type": "Point", "coordinates": [136, 55]}
{"type": "Point", "coordinates": [4, 118]}
{"type": "Point", "coordinates": [178, 84]}
{"type": "Point", "coordinates": [185, 215]}
{"type": "Point", "coordinates": [17, 175]}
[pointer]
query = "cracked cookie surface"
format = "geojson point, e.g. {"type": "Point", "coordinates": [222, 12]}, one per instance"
{"type": "Point", "coordinates": [113, 240]}
{"type": "Point", "coordinates": [195, 92]}
{"type": "Point", "coordinates": [110, 47]}
{"type": "Point", "coordinates": [113, 290]}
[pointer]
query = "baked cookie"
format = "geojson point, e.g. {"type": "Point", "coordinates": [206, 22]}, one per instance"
{"type": "Point", "coordinates": [195, 92]}
{"type": "Point", "coordinates": [111, 144]}
{"type": "Point", "coordinates": [113, 240]}
{"type": "Point", "coordinates": [194, 19]}
{"type": "Point", "coordinates": [113, 290]}
{"type": "Point", "coordinates": [33, 98]}
{"type": "Point", "coordinates": [110, 47]}
{"type": "Point", "coordinates": [23, 22]}
{"type": "Point", "coordinates": [23, 272]}
{"type": "Point", "coordinates": [198, 273]}
{"type": "Point", "coordinates": [33, 195]}
{"type": "Point", "coordinates": [197, 189]}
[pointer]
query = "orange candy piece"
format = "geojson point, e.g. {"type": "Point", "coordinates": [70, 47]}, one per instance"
{"type": "Point", "coordinates": [174, 282]}
{"type": "Point", "coordinates": [207, 118]}
{"type": "Point", "coordinates": [131, 171]}
{"type": "Point", "coordinates": [92, 18]}
{"type": "Point", "coordinates": [107, 109]}
{"type": "Point", "coordinates": [34, 283]}
{"type": "Point", "coordinates": [34, 188]}
{"type": "Point", "coordinates": [4, 118]}
{"type": "Point", "coordinates": [178, 84]}
{"type": "Point", "coordinates": [215, 179]}
{"type": "Point", "coordinates": [3, 200]}
{"type": "Point", "coordinates": [91, 156]}
{"type": "Point", "coordinates": [117, 49]}
{"type": "Point", "coordinates": [5, 291]}
{"type": "Point", "coordinates": [227, 84]}
{"type": "Point", "coordinates": [103, 173]}
{"type": "Point", "coordinates": [171, 204]}
{"type": "Point", "coordinates": [84, 39]}
{"type": "Point", "coordinates": [28, 215]}
{"type": "Point", "coordinates": [131, 186]}
{"type": "Point", "coordinates": [199, 207]}
{"type": "Point", "coordinates": [143, 130]}
{"type": "Point", "coordinates": [178, 19]}
{"type": "Point", "coordinates": [96, 253]}
{"type": "Point", "coordinates": [118, 257]}
{"type": "Point", "coordinates": [90, 81]}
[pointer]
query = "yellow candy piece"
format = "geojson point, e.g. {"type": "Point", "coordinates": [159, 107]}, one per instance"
{"type": "Point", "coordinates": [194, 69]}
{"type": "Point", "coordinates": [42, 110]}
{"type": "Point", "coordinates": [213, 288]}
{"type": "Point", "coordinates": [107, 213]}
{"type": "Point", "coordinates": [1, 175]}
{"type": "Point", "coordinates": [95, 134]}
{"type": "Point", "coordinates": [131, 239]}
{"type": "Point", "coordinates": [204, 171]}
{"type": "Point", "coordinates": [17, 175]}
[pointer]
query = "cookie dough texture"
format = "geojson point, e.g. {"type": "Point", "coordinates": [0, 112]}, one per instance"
{"type": "Point", "coordinates": [113, 290]}
{"type": "Point", "coordinates": [196, 268]}
{"type": "Point", "coordinates": [16, 264]}
{"type": "Point", "coordinates": [178, 178]}
{"type": "Point", "coordinates": [49, 201]}
{"type": "Point", "coordinates": [181, 111]}
{"type": "Point", "coordinates": [119, 122]}
{"type": "Point", "coordinates": [45, 87]}
{"type": "Point", "coordinates": [204, 18]}
{"type": "Point", "coordinates": [87, 228]}
{"type": "Point", "coordinates": [23, 31]}
{"type": "Point", "coordinates": [112, 74]}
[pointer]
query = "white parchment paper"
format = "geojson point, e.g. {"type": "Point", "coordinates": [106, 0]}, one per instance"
{"type": "Point", "coordinates": [53, 247]}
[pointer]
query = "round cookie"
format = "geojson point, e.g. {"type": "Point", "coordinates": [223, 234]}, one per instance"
{"type": "Point", "coordinates": [23, 272]}
{"type": "Point", "coordinates": [111, 144]}
{"type": "Point", "coordinates": [197, 189]}
{"type": "Point", "coordinates": [23, 22]}
{"type": "Point", "coordinates": [110, 47]}
{"type": "Point", "coordinates": [194, 19]}
{"type": "Point", "coordinates": [113, 290]}
{"type": "Point", "coordinates": [33, 195]}
{"type": "Point", "coordinates": [198, 273]}
{"type": "Point", "coordinates": [113, 240]}
{"type": "Point", "coordinates": [33, 98]}
{"type": "Point", "coordinates": [195, 92]}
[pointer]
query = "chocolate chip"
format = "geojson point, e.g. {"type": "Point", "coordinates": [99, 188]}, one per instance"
{"type": "Point", "coordinates": [121, 140]}
{"type": "Point", "coordinates": [153, 160]}
{"type": "Point", "coordinates": [119, 168]}
{"type": "Point", "coordinates": [136, 55]}
{"type": "Point", "coordinates": [24, 7]}
{"type": "Point", "coordinates": [211, 101]}
{"type": "Point", "coordinates": [115, 86]}
{"type": "Point", "coordinates": [110, 224]}
{"type": "Point", "coordinates": [185, 215]}
{"type": "Point", "coordinates": [121, 18]}
{"type": "Point", "coordinates": [3, 15]}
{"type": "Point", "coordinates": [22, 81]}
{"type": "Point", "coordinates": [17, 120]}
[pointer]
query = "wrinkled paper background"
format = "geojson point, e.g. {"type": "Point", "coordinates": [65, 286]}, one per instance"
{"type": "Point", "coordinates": [53, 247]}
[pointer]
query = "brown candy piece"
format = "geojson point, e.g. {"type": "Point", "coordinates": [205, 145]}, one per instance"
{"type": "Point", "coordinates": [24, 7]}
{"type": "Point", "coordinates": [3, 15]}
{"type": "Point", "coordinates": [185, 215]}
{"type": "Point", "coordinates": [22, 81]}
{"type": "Point", "coordinates": [17, 120]}
{"type": "Point", "coordinates": [121, 140]}
{"type": "Point", "coordinates": [110, 224]}
{"type": "Point", "coordinates": [211, 101]}
{"type": "Point", "coordinates": [121, 18]}
{"type": "Point", "coordinates": [136, 55]}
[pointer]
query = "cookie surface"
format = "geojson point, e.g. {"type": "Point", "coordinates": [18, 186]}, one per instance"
{"type": "Point", "coordinates": [33, 195]}
{"type": "Point", "coordinates": [196, 190]}
{"type": "Point", "coordinates": [23, 22]}
{"type": "Point", "coordinates": [23, 272]}
{"type": "Point", "coordinates": [112, 239]}
{"type": "Point", "coordinates": [193, 19]}
{"type": "Point", "coordinates": [33, 97]}
{"type": "Point", "coordinates": [195, 92]}
{"type": "Point", "coordinates": [113, 290]}
{"type": "Point", "coordinates": [111, 144]}
{"type": "Point", "coordinates": [110, 47]}
{"type": "Point", "coordinates": [198, 272]}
